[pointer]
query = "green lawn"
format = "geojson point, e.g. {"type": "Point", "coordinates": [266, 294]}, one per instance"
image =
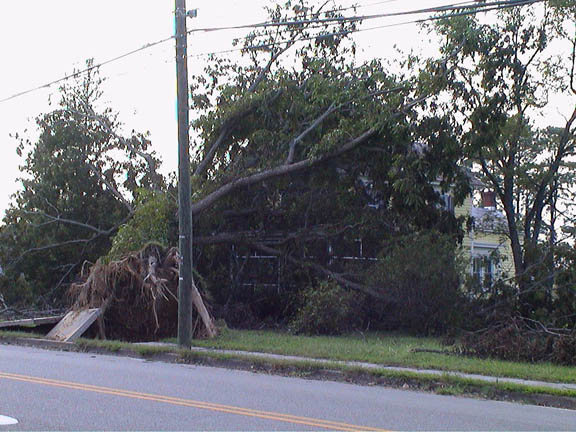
{"type": "Point", "coordinates": [386, 349]}
{"type": "Point", "coordinates": [382, 348]}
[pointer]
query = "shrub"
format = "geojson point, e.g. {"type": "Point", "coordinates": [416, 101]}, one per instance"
{"type": "Point", "coordinates": [15, 292]}
{"type": "Point", "coordinates": [327, 309]}
{"type": "Point", "coordinates": [564, 294]}
{"type": "Point", "coordinates": [420, 279]}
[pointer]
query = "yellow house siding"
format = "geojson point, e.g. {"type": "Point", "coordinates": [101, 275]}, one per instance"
{"type": "Point", "coordinates": [506, 265]}
{"type": "Point", "coordinates": [485, 239]}
{"type": "Point", "coordinates": [465, 208]}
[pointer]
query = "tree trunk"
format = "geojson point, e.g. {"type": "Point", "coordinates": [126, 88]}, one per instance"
{"type": "Point", "coordinates": [516, 245]}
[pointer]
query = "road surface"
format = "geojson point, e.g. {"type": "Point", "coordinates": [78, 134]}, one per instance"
{"type": "Point", "coordinates": [50, 390]}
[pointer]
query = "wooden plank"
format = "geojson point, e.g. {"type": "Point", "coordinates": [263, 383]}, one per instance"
{"type": "Point", "coordinates": [31, 322]}
{"type": "Point", "coordinates": [73, 325]}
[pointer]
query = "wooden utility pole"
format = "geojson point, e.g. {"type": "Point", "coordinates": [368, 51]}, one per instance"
{"type": "Point", "coordinates": [184, 189]}
{"type": "Point", "coordinates": [187, 291]}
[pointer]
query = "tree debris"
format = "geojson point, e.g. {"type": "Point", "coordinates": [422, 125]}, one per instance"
{"type": "Point", "coordinates": [137, 295]}
{"type": "Point", "coordinates": [522, 339]}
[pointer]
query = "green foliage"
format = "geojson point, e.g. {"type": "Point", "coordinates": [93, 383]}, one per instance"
{"type": "Point", "coordinates": [564, 288]}
{"type": "Point", "coordinates": [267, 115]}
{"type": "Point", "coordinates": [153, 221]}
{"type": "Point", "coordinates": [15, 291]}
{"type": "Point", "coordinates": [419, 278]}
{"type": "Point", "coordinates": [73, 176]}
{"type": "Point", "coordinates": [500, 79]}
{"type": "Point", "coordinates": [327, 309]}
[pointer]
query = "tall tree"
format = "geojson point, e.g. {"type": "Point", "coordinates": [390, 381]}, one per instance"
{"type": "Point", "coordinates": [500, 80]}
{"type": "Point", "coordinates": [78, 180]}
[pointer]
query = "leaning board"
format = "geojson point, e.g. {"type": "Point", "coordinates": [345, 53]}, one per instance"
{"type": "Point", "coordinates": [73, 325]}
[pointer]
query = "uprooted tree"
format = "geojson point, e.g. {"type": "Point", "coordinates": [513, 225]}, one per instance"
{"type": "Point", "coordinates": [299, 150]}
{"type": "Point", "coordinates": [136, 294]}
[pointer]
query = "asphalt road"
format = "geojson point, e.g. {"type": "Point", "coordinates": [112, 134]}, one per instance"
{"type": "Point", "coordinates": [48, 390]}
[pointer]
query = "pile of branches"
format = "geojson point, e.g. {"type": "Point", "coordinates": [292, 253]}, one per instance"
{"type": "Point", "coordinates": [137, 294]}
{"type": "Point", "coordinates": [522, 339]}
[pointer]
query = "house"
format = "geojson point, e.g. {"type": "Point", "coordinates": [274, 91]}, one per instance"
{"type": "Point", "coordinates": [485, 249]}
{"type": "Point", "coordinates": [486, 246]}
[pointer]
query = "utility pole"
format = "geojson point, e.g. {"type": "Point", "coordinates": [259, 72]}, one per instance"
{"type": "Point", "coordinates": [184, 188]}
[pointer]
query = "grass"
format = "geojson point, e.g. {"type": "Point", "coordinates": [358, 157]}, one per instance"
{"type": "Point", "coordinates": [384, 349]}
{"type": "Point", "coordinates": [441, 384]}
{"type": "Point", "coordinates": [20, 334]}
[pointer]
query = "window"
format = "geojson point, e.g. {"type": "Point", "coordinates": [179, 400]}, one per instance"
{"type": "Point", "coordinates": [448, 202]}
{"type": "Point", "coordinates": [483, 270]}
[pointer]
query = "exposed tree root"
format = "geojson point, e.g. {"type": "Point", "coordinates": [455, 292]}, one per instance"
{"type": "Point", "coordinates": [137, 295]}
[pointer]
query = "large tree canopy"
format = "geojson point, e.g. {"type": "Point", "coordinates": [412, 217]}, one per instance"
{"type": "Point", "coordinates": [499, 81]}
{"type": "Point", "coordinates": [78, 178]}
{"type": "Point", "coordinates": [301, 151]}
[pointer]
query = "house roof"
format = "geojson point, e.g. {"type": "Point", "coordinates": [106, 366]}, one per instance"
{"type": "Point", "coordinates": [475, 181]}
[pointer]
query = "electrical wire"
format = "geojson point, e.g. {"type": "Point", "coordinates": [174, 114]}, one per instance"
{"type": "Point", "coordinates": [347, 32]}
{"type": "Point", "coordinates": [290, 23]}
{"type": "Point", "coordinates": [310, 27]}
{"type": "Point", "coordinates": [468, 10]}
{"type": "Point", "coordinates": [88, 69]}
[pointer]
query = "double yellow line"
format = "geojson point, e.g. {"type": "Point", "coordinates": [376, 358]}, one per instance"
{"type": "Point", "coordinates": [287, 418]}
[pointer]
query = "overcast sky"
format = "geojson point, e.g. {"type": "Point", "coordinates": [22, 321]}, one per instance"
{"type": "Point", "coordinates": [44, 40]}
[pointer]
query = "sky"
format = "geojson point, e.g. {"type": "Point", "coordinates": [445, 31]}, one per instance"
{"type": "Point", "coordinates": [41, 41]}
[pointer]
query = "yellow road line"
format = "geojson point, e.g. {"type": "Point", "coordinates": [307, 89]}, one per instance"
{"type": "Point", "coordinates": [191, 403]}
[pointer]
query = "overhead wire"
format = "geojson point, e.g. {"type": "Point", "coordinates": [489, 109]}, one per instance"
{"type": "Point", "coordinates": [497, 5]}
{"type": "Point", "coordinates": [346, 32]}
{"type": "Point", "coordinates": [467, 7]}
{"type": "Point", "coordinates": [503, 4]}
{"type": "Point", "coordinates": [266, 24]}
{"type": "Point", "coordinates": [87, 69]}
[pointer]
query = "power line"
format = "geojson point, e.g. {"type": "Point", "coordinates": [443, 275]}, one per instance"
{"type": "Point", "coordinates": [495, 6]}
{"type": "Point", "coordinates": [468, 10]}
{"type": "Point", "coordinates": [511, 4]}
{"type": "Point", "coordinates": [290, 23]}
{"type": "Point", "coordinates": [322, 22]}
{"type": "Point", "coordinates": [470, 4]}
{"type": "Point", "coordinates": [88, 69]}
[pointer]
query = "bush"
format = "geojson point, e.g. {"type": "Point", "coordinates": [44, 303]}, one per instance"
{"type": "Point", "coordinates": [564, 294]}
{"type": "Point", "coordinates": [15, 292]}
{"type": "Point", "coordinates": [326, 310]}
{"type": "Point", "coordinates": [420, 280]}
